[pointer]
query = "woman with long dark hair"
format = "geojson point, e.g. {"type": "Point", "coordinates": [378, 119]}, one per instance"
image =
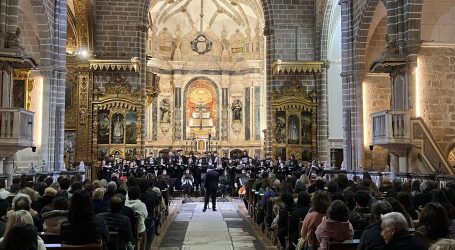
{"type": "Point", "coordinates": [82, 226]}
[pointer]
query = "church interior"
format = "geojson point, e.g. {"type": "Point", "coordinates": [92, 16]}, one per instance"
{"type": "Point", "coordinates": [350, 87]}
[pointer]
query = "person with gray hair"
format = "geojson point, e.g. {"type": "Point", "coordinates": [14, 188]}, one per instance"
{"type": "Point", "coordinates": [371, 236]}
{"type": "Point", "coordinates": [396, 234]}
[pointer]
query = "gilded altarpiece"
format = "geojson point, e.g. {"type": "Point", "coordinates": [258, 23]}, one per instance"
{"type": "Point", "coordinates": [116, 121]}
{"type": "Point", "coordinates": [294, 128]}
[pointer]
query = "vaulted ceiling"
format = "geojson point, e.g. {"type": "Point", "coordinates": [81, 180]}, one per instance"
{"type": "Point", "coordinates": [244, 15]}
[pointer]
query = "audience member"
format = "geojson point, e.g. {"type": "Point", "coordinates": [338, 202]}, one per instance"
{"type": "Point", "coordinates": [433, 224]}
{"type": "Point", "coordinates": [371, 238]}
{"type": "Point", "coordinates": [82, 226]}
{"type": "Point", "coordinates": [16, 218]}
{"type": "Point", "coordinates": [59, 214]}
{"type": "Point", "coordinates": [395, 232]}
{"type": "Point", "coordinates": [118, 222]}
{"type": "Point", "coordinates": [320, 203]}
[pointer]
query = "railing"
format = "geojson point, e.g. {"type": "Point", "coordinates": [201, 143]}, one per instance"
{"type": "Point", "coordinates": [391, 127]}
{"type": "Point", "coordinates": [16, 126]}
{"type": "Point", "coordinates": [429, 149]}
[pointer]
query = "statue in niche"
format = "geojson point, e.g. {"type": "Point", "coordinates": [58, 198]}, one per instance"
{"type": "Point", "coordinates": [237, 110]}
{"type": "Point", "coordinates": [165, 109]}
{"type": "Point", "coordinates": [293, 131]}
{"type": "Point", "coordinates": [117, 129]}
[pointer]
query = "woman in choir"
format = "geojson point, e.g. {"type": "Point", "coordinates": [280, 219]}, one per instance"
{"type": "Point", "coordinates": [187, 183]}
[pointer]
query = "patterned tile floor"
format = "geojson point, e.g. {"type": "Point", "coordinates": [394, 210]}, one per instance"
{"type": "Point", "coordinates": [224, 229]}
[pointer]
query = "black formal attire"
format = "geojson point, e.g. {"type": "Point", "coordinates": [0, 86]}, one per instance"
{"type": "Point", "coordinates": [117, 222]}
{"type": "Point", "coordinates": [211, 185]}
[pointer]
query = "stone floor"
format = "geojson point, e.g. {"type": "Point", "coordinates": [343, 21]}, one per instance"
{"type": "Point", "coordinates": [225, 229]}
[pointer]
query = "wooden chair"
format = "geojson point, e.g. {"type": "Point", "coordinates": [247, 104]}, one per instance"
{"type": "Point", "coordinates": [114, 240]}
{"type": "Point", "coordinates": [95, 246]}
{"type": "Point", "coordinates": [49, 238]}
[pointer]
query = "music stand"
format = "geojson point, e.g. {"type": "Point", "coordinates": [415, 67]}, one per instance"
{"type": "Point", "coordinates": [222, 198]}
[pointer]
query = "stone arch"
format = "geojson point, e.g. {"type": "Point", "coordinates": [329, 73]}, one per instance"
{"type": "Point", "coordinates": [213, 84]}
{"type": "Point", "coordinates": [362, 34]}
{"type": "Point", "coordinates": [44, 30]}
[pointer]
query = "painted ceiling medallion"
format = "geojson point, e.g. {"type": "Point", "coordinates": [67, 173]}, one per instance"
{"type": "Point", "coordinates": [201, 45]}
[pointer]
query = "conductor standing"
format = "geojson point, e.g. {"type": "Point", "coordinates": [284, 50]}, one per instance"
{"type": "Point", "coordinates": [211, 186]}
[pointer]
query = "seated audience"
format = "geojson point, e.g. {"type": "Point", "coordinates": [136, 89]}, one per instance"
{"type": "Point", "coordinates": [118, 222]}
{"type": "Point", "coordinates": [59, 213]}
{"type": "Point", "coordinates": [443, 244]}
{"type": "Point", "coordinates": [82, 226]}
{"type": "Point", "coordinates": [320, 204]}
{"type": "Point", "coordinates": [335, 226]}
{"type": "Point", "coordinates": [285, 209]}
{"type": "Point", "coordinates": [134, 193]}
{"type": "Point", "coordinates": [23, 202]}
{"type": "Point", "coordinates": [298, 214]}
{"type": "Point", "coordinates": [395, 232]}
{"type": "Point", "coordinates": [14, 219]}
{"type": "Point", "coordinates": [22, 236]}
{"type": "Point", "coordinates": [371, 238]}
{"type": "Point", "coordinates": [360, 216]}
{"type": "Point", "coordinates": [3, 210]}
{"type": "Point", "coordinates": [433, 224]}
{"type": "Point", "coordinates": [97, 200]}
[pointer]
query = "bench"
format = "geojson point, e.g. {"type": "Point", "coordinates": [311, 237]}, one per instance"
{"type": "Point", "coordinates": [96, 246]}
{"type": "Point", "coordinates": [345, 245]}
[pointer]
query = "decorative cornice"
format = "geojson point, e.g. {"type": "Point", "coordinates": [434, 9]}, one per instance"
{"type": "Point", "coordinates": [388, 63]}
{"type": "Point", "coordinates": [17, 58]}
{"type": "Point", "coordinates": [296, 67]}
{"type": "Point", "coordinates": [116, 64]}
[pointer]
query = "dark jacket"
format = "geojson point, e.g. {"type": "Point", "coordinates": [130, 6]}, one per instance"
{"type": "Point", "coordinates": [371, 238]}
{"type": "Point", "coordinates": [151, 200]}
{"type": "Point", "coordinates": [298, 214]}
{"type": "Point", "coordinates": [359, 219]}
{"type": "Point", "coordinates": [84, 232]}
{"type": "Point", "coordinates": [211, 179]}
{"type": "Point", "coordinates": [128, 212]}
{"type": "Point", "coordinates": [120, 223]}
{"type": "Point", "coordinates": [403, 240]}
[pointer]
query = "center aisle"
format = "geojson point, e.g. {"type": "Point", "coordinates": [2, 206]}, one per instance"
{"type": "Point", "coordinates": [221, 230]}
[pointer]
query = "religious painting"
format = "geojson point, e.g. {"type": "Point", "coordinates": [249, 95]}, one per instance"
{"type": "Point", "coordinates": [280, 126]}
{"type": "Point", "coordinates": [131, 127]}
{"type": "Point", "coordinates": [307, 127]}
{"type": "Point", "coordinates": [103, 127]}
{"type": "Point", "coordinates": [118, 129]}
{"type": "Point", "coordinates": [130, 153]}
{"type": "Point", "coordinates": [280, 153]}
{"type": "Point", "coordinates": [293, 129]}
{"type": "Point", "coordinates": [19, 94]}
{"type": "Point", "coordinates": [103, 153]}
{"type": "Point", "coordinates": [307, 155]}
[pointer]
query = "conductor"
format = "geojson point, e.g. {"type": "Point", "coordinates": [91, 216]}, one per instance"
{"type": "Point", "coordinates": [211, 186]}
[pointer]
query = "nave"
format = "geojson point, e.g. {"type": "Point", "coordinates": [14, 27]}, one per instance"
{"type": "Point", "coordinates": [224, 229]}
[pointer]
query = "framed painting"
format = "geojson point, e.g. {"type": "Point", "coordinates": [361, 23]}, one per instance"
{"type": "Point", "coordinates": [103, 127]}
{"type": "Point", "coordinates": [131, 127]}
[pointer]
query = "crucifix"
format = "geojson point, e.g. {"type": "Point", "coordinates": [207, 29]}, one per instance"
{"type": "Point", "coordinates": [200, 107]}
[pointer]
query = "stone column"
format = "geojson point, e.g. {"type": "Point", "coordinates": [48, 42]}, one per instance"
{"type": "Point", "coordinates": [394, 165]}
{"type": "Point", "coordinates": [270, 51]}
{"type": "Point", "coordinates": [46, 116]}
